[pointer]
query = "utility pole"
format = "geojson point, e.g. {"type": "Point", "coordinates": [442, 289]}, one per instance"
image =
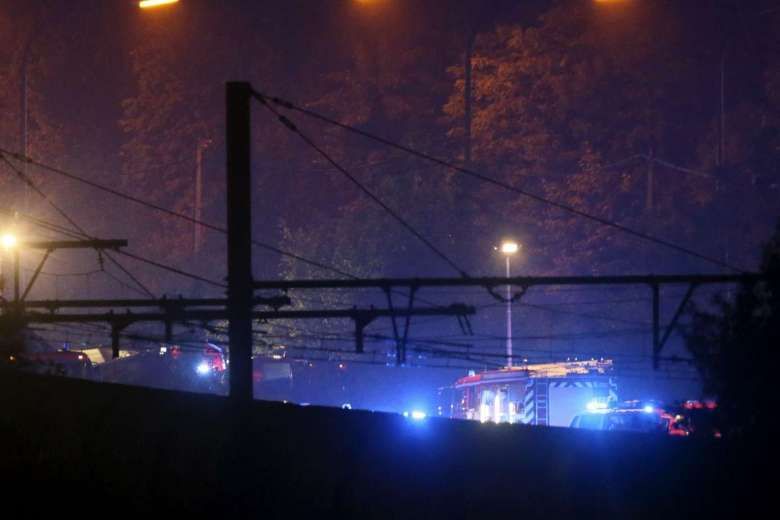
{"type": "Point", "coordinates": [197, 230]}
{"type": "Point", "coordinates": [240, 290]}
{"type": "Point", "coordinates": [23, 123]}
{"type": "Point", "coordinates": [467, 95]}
{"type": "Point", "coordinates": [722, 143]}
{"type": "Point", "coordinates": [16, 274]}
{"type": "Point", "coordinates": [4, 278]}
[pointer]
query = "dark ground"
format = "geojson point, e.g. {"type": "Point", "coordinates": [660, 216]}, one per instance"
{"type": "Point", "coordinates": [69, 445]}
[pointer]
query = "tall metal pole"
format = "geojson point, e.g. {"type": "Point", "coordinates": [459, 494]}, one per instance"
{"type": "Point", "coordinates": [16, 274]}
{"type": "Point", "coordinates": [656, 325]}
{"type": "Point", "coordinates": [508, 317]}
{"type": "Point", "coordinates": [24, 114]}
{"type": "Point", "coordinates": [722, 143]}
{"type": "Point", "coordinates": [5, 278]}
{"type": "Point", "coordinates": [467, 97]}
{"type": "Point", "coordinates": [115, 330]}
{"type": "Point", "coordinates": [239, 295]}
{"type": "Point", "coordinates": [197, 231]}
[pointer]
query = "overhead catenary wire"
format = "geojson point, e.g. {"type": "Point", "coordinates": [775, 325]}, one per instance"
{"type": "Point", "coordinates": [626, 364]}
{"type": "Point", "coordinates": [169, 212]}
{"type": "Point", "coordinates": [485, 178]}
{"type": "Point", "coordinates": [28, 181]}
{"type": "Point", "coordinates": [78, 235]}
{"type": "Point", "coordinates": [66, 275]}
{"type": "Point", "coordinates": [477, 343]}
{"type": "Point", "coordinates": [395, 215]}
{"type": "Point", "coordinates": [474, 355]}
{"type": "Point", "coordinates": [172, 269]}
{"type": "Point", "coordinates": [156, 207]}
{"type": "Point", "coordinates": [625, 367]}
{"type": "Point", "coordinates": [75, 234]}
{"type": "Point", "coordinates": [447, 347]}
{"type": "Point", "coordinates": [567, 337]}
{"type": "Point", "coordinates": [180, 272]}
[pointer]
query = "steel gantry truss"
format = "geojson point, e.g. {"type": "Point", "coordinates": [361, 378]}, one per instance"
{"type": "Point", "coordinates": [523, 283]}
{"type": "Point", "coordinates": [181, 310]}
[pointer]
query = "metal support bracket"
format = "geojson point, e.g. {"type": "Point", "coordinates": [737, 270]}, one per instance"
{"type": "Point", "coordinates": [36, 274]}
{"type": "Point", "coordinates": [412, 292]}
{"type": "Point", "coordinates": [658, 345]}
{"type": "Point", "coordinates": [396, 335]}
{"type": "Point", "coordinates": [117, 326]}
{"type": "Point", "coordinates": [656, 322]}
{"type": "Point", "coordinates": [503, 299]}
{"type": "Point", "coordinates": [362, 320]}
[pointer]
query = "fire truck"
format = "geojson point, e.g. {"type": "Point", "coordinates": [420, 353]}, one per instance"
{"type": "Point", "coordinates": [548, 394]}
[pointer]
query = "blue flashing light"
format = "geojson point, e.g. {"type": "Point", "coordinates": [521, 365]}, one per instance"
{"type": "Point", "coordinates": [595, 404]}
{"type": "Point", "coordinates": [417, 415]}
{"type": "Point", "coordinates": [203, 369]}
{"type": "Point", "coordinates": [648, 409]}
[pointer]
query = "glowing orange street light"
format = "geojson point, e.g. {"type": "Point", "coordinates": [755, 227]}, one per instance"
{"type": "Point", "coordinates": [509, 247]}
{"type": "Point", "coordinates": [10, 244]}
{"type": "Point", "coordinates": [370, 2]}
{"type": "Point", "coordinates": [8, 241]}
{"type": "Point", "coordinates": [146, 4]}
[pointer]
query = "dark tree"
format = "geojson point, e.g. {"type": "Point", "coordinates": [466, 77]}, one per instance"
{"type": "Point", "coordinates": [736, 351]}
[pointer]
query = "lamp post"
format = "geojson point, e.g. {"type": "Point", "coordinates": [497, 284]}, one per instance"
{"type": "Point", "coordinates": [509, 248]}
{"type": "Point", "coordinates": [9, 243]}
{"type": "Point", "coordinates": [197, 238]}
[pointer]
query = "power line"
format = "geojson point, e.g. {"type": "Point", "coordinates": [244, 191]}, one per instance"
{"type": "Point", "coordinates": [291, 126]}
{"type": "Point", "coordinates": [470, 349]}
{"type": "Point", "coordinates": [563, 336]}
{"type": "Point", "coordinates": [66, 275]}
{"type": "Point", "coordinates": [172, 269]}
{"type": "Point", "coordinates": [580, 314]}
{"type": "Point", "coordinates": [623, 370]}
{"type": "Point", "coordinates": [482, 177]}
{"type": "Point", "coordinates": [117, 193]}
{"type": "Point", "coordinates": [471, 342]}
{"type": "Point", "coordinates": [269, 247]}
{"type": "Point", "coordinates": [73, 234]}
{"type": "Point", "coordinates": [61, 229]}
{"type": "Point", "coordinates": [66, 231]}
{"type": "Point", "coordinates": [72, 222]}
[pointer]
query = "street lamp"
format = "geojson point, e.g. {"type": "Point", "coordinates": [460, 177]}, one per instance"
{"type": "Point", "coordinates": [8, 241]}
{"type": "Point", "coordinates": [509, 248]}
{"type": "Point", "coordinates": [10, 244]}
{"type": "Point", "coordinates": [147, 4]}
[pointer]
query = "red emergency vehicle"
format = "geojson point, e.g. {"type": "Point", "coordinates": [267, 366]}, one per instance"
{"type": "Point", "coordinates": [547, 394]}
